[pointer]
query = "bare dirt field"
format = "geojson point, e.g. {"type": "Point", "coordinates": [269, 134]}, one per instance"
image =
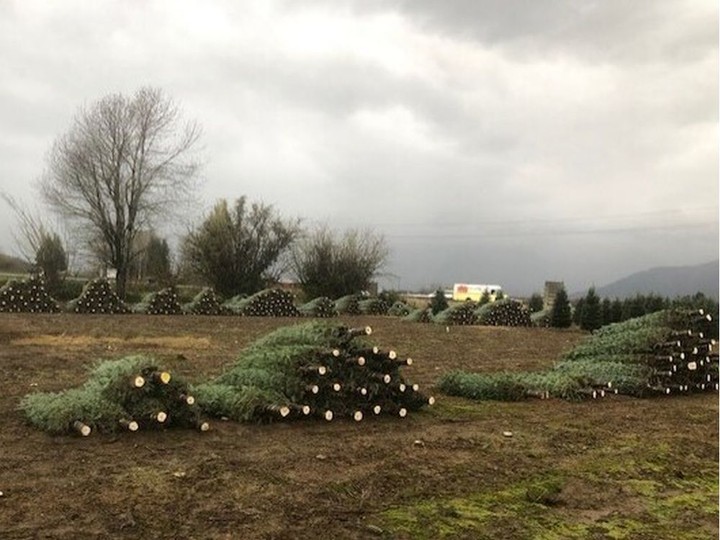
{"type": "Point", "coordinates": [612, 468]}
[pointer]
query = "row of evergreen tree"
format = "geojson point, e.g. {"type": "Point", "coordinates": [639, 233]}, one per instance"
{"type": "Point", "coordinates": [592, 312]}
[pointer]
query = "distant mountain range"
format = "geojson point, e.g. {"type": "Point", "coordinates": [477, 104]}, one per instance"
{"type": "Point", "coordinates": [670, 281]}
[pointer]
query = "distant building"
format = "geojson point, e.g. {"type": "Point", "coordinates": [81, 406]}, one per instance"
{"type": "Point", "coordinates": [550, 292]}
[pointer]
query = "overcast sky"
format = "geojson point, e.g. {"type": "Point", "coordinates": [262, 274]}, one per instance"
{"type": "Point", "coordinates": [488, 141]}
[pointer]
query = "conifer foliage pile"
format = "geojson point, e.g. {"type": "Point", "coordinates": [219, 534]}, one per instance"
{"type": "Point", "coordinates": [322, 307]}
{"type": "Point", "coordinates": [27, 296]}
{"type": "Point", "coordinates": [348, 305]}
{"type": "Point", "coordinates": [503, 313]}
{"type": "Point", "coordinates": [458, 314]}
{"type": "Point", "coordinates": [314, 369]}
{"type": "Point", "coordinates": [162, 302]}
{"type": "Point", "coordinates": [206, 302]}
{"type": "Point", "coordinates": [373, 306]}
{"type": "Point", "coordinates": [665, 353]}
{"type": "Point", "coordinates": [423, 315]}
{"type": "Point", "coordinates": [268, 303]}
{"type": "Point", "coordinates": [399, 309]}
{"type": "Point", "coordinates": [128, 394]}
{"type": "Point", "coordinates": [98, 296]}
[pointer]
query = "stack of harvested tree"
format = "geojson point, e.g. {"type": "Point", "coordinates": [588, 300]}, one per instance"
{"type": "Point", "coordinates": [162, 302]}
{"type": "Point", "coordinates": [313, 369]}
{"type": "Point", "coordinates": [504, 312]}
{"type": "Point", "coordinates": [322, 307]}
{"type": "Point", "coordinates": [423, 315]}
{"type": "Point", "coordinates": [458, 314]}
{"type": "Point", "coordinates": [541, 319]}
{"type": "Point", "coordinates": [268, 303]}
{"type": "Point", "coordinates": [97, 296]}
{"type": "Point", "coordinates": [206, 302]}
{"type": "Point", "coordinates": [373, 306]}
{"type": "Point", "coordinates": [233, 306]}
{"type": "Point", "coordinates": [129, 394]}
{"type": "Point", "coordinates": [399, 309]}
{"type": "Point", "coordinates": [674, 348]}
{"type": "Point", "coordinates": [348, 305]}
{"type": "Point", "coordinates": [664, 353]}
{"type": "Point", "coordinates": [28, 296]}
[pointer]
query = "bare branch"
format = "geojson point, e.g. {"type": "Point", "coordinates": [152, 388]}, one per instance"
{"type": "Point", "coordinates": [124, 162]}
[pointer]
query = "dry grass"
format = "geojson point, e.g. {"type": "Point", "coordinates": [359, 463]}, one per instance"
{"type": "Point", "coordinates": [84, 341]}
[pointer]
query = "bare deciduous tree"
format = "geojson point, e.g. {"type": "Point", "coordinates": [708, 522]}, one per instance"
{"type": "Point", "coordinates": [38, 244]}
{"type": "Point", "coordinates": [328, 265]}
{"type": "Point", "coordinates": [124, 162]}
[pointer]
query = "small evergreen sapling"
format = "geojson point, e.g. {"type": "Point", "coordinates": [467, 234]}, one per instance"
{"type": "Point", "coordinates": [560, 315]}
{"type": "Point", "coordinates": [439, 302]}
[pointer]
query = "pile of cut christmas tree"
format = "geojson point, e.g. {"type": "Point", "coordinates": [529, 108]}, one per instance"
{"type": "Point", "coordinates": [266, 303]}
{"type": "Point", "coordinates": [313, 369]}
{"type": "Point", "coordinates": [321, 307]}
{"type": "Point", "coordinates": [667, 352]}
{"type": "Point", "coordinates": [504, 312]}
{"type": "Point", "coordinates": [128, 394]}
{"type": "Point", "coordinates": [98, 296]}
{"type": "Point", "coordinates": [206, 302]}
{"type": "Point", "coordinates": [162, 302]}
{"type": "Point", "coordinates": [27, 296]}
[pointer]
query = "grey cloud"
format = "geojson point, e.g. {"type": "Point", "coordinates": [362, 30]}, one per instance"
{"type": "Point", "coordinates": [596, 110]}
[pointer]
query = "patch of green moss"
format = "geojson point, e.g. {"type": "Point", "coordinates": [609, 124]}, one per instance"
{"type": "Point", "coordinates": [646, 488]}
{"type": "Point", "coordinates": [684, 510]}
{"type": "Point", "coordinates": [699, 494]}
{"type": "Point", "coordinates": [456, 409]}
{"type": "Point", "coordinates": [480, 513]}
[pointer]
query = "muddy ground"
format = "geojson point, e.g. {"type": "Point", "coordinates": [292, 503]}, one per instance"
{"type": "Point", "coordinates": [612, 468]}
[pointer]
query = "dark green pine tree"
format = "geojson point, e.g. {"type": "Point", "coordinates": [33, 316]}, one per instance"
{"type": "Point", "coordinates": [591, 318]}
{"type": "Point", "coordinates": [535, 303]}
{"type": "Point", "coordinates": [606, 311]}
{"type": "Point", "coordinates": [577, 312]}
{"type": "Point", "coordinates": [438, 302]}
{"type": "Point", "coordinates": [633, 307]}
{"type": "Point", "coordinates": [617, 310]}
{"type": "Point", "coordinates": [560, 314]}
{"type": "Point", "coordinates": [485, 298]}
